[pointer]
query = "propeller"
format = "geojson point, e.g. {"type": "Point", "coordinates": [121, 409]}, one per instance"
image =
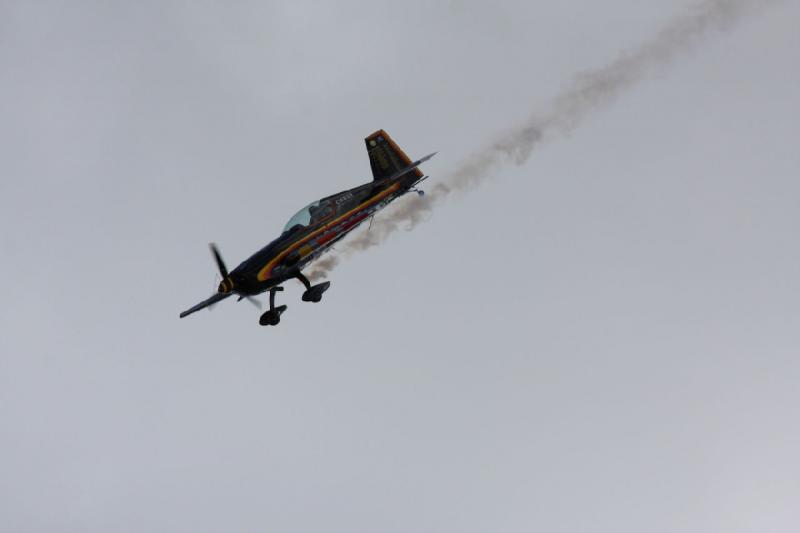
{"type": "Point", "coordinates": [223, 270]}
{"type": "Point", "coordinates": [218, 296]}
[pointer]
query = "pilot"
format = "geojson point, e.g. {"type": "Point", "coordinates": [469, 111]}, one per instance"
{"type": "Point", "coordinates": [319, 212]}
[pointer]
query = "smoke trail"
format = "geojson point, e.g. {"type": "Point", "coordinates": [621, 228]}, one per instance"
{"type": "Point", "coordinates": [589, 91]}
{"type": "Point", "coordinates": [322, 266]}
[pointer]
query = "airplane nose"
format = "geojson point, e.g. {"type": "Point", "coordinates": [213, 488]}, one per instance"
{"type": "Point", "coordinates": [225, 286]}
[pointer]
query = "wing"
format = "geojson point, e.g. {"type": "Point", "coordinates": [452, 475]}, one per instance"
{"type": "Point", "coordinates": [205, 303]}
{"type": "Point", "coordinates": [386, 158]}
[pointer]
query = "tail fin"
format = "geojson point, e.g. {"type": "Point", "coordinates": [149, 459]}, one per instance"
{"type": "Point", "coordinates": [385, 157]}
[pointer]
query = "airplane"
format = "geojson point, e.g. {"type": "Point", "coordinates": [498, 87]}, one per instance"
{"type": "Point", "coordinates": [313, 230]}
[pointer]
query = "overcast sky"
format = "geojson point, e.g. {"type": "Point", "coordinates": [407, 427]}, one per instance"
{"type": "Point", "coordinates": [604, 338]}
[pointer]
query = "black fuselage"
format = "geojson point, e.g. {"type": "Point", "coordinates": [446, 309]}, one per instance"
{"type": "Point", "coordinates": [331, 218]}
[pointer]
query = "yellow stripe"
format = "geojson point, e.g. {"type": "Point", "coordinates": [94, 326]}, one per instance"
{"type": "Point", "coordinates": [262, 274]}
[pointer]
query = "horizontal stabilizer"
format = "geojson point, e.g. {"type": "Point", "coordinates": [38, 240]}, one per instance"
{"type": "Point", "coordinates": [412, 166]}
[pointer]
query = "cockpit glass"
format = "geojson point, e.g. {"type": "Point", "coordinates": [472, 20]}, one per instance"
{"type": "Point", "coordinates": [302, 217]}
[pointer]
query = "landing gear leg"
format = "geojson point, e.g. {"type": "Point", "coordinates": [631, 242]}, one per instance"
{"type": "Point", "coordinates": [313, 293]}
{"type": "Point", "coordinates": [273, 316]}
{"type": "Point", "coordinates": [303, 279]}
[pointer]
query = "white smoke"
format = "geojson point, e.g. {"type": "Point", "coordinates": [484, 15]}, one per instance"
{"type": "Point", "coordinates": [588, 92]}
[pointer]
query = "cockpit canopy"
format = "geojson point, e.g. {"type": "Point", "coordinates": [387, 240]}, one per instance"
{"type": "Point", "coordinates": [311, 214]}
{"type": "Point", "coordinates": [302, 217]}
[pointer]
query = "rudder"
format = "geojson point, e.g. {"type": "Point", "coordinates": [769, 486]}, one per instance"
{"type": "Point", "coordinates": [385, 157]}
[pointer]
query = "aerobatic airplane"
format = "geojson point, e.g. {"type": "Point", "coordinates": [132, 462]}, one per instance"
{"type": "Point", "coordinates": [315, 228]}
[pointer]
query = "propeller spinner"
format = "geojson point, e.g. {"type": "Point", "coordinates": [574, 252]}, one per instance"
{"type": "Point", "coordinates": [226, 285]}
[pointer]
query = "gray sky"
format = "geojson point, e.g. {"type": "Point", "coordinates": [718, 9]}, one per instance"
{"type": "Point", "coordinates": [601, 338]}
